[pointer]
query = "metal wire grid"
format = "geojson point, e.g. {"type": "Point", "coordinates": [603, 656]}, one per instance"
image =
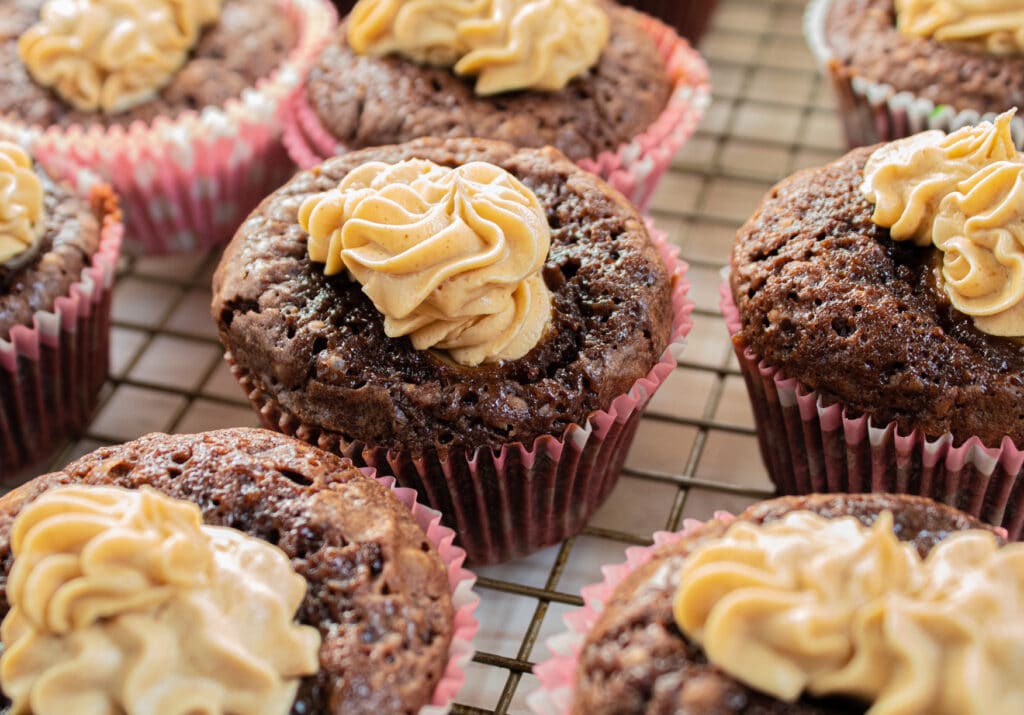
{"type": "Point", "coordinates": [771, 115]}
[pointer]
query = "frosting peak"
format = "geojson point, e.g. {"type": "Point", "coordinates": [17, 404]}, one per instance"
{"type": "Point", "coordinates": [995, 26]}
{"type": "Point", "coordinates": [122, 601]}
{"type": "Point", "coordinates": [507, 44]}
{"type": "Point", "coordinates": [110, 55]}
{"type": "Point", "coordinates": [21, 202]}
{"type": "Point", "coordinates": [450, 257]}
{"type": "Point", "coordinates": [830, 607]}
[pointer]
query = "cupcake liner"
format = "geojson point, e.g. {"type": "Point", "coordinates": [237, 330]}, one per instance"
{"type": "Point", "coordinates": [51, 371]}
{"type": "Point", "coordinates": [509, 502]}
{"type": "Point", "coordinates": [557, 674]}
{"type": "Point", "coordinates": [635, 168]}
{"type": "Point", "coordinates": [689, 17]}
{"type": "Point", "coordinates": [186, 184]}
{"type": "Point", "coordinates": [811, 446]}
{"type": "Point", "coordinates": [464, 600]}
{"type": "Point", "coordinates": [874, 112]}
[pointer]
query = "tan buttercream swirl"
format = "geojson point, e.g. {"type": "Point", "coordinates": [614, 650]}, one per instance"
{"type": "Point", "coordinates": [540, 44]}
{"type": "Point", "coordinates": [450, 257]}
{"type": "Point", "coordinates": [995, 26]}
{"type": "Point", "coordinates": [907, 179]}
{"type": "Point", "coordinates": [110, 55]}
{"type": "Point", "coordinates": [507, 44]}
{"type": "Point", "coordinates": [21, 202]}
{"type": "Point", "coordinates": [830, 607]}
{"type": "Point", "coordinates": [980, 231]}
{"type": "Point", "coordinates": [123, 602]}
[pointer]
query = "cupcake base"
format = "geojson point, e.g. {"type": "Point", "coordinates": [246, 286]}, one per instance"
{"type": "Point", "coordinates": [809, 446]}
{"type": "Point", "coordinates": [635, 168]}
{"type": "Point", "coordinates": [509, 502]}
{"type": "Point", "coordinates": [51, 372]}
{"type": "Point", "coordinates": [874, 112]}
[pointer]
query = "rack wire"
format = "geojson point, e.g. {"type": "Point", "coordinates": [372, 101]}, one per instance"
{"type": "Point", "coordinates": [695, 451]}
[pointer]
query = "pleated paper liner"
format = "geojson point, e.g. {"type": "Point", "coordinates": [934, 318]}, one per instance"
{"type": "Point", "coordinates": [874, 112]}
{"type": "Point", "coordinates": [810, 446]}
{"type": "Point", "coordinates": [509, 502]}
{"type": "Point", "coordinates": [51, 371]}
{"type": "Point", "coordinates": [464, 600]}
{"type": "Point", "coordinates": [635, 168]}
{"type": "Point", "coordinates": [187, 183]}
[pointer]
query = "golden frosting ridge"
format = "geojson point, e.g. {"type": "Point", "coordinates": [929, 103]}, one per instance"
{"type": "Point", "coordinates": [122, 601]}
{"type": "Point", "coordinates": [110, 55]}
{"type": "Point", "coordinates": [831, 607]}
{"type": "Point", "coordinates": [450, 257]}
{"type": "Point", "coordinates": [995, 26]}
{"type": "Point", "coordinates": [21, 202]}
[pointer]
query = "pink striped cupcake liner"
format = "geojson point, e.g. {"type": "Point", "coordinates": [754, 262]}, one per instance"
{"type": "Point", "coordinates": [635, 168]}
{"type": "Point", "coordinates": [186, 184]}
{"type": "Point", "coordinates": [509, 502]}
{"type": "Point", "coordinates": [464, 600]}
{"type": "Point", "coordinates": [557, 674]}
{"type": "Point", "coordinates": [51, 371]}
{"type": "Point", "coordinates": [810, 445]}
{"type": "Point", "coordinates": [874, 112]}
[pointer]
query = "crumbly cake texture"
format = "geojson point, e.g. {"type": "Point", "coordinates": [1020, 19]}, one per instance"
{"type": "Point", "coordinates": [377, 589]}
{"type": "Point", "coordinates": [317, 346]}
{"type": "Point", "coordinates": [248, 42]}
{"type": "Point", "coordinates": [636, 660]}
{"type": "Point", "coordinates": [71, 238]}
{"type": "Point", "coordinates": [828, 297]}
{"type": "Point", "coordinates": [865, 42]}
{"type": "Point", "coordinates": [366, 101]}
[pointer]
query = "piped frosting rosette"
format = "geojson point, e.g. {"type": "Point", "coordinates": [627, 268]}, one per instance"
{"type": "Point", "coordinates": [185, 183]}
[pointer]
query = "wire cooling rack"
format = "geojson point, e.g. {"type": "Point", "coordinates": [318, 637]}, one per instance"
{"type": "Point", "coordinates": [695, 451]}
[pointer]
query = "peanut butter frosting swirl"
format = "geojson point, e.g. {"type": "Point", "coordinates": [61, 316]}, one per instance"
{"type": "Point", "coordinates": [450, 257]}
{"type": "Point", "coordinates": [123, 602]}
{"type": "Point", "coordinates": [111, 55]}
{"type": "Point", "coordinates": [994, 26]}
{"type": "Point", "coordinates": [831, 607]}
{"type": "Point", "coordinates": [21, 203]}
{"type": "Point", "coordinates": [507, 44]}
{"type": "Point", "coordinates": [907, 179]}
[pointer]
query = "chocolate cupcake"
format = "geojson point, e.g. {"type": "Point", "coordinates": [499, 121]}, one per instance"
{"type": "Point", "coordinates": [483, 322]}
{"type": "Point", "coordinates": [820, 605]}
{"type": "Point", "coordinates": [874, 308]}
{"type": "Point", "coordinates": [174, 103]}
{"type": "Point", "coordinates": [690, 18]}
{"type": "Point", "coordinates": [58, 254]}
{"type": "Point", "coordinates": [902, 66]}
{"type": "Point", "coordinates": [254, 574]}
{"type": "Point", "coordinates": [615, 90]}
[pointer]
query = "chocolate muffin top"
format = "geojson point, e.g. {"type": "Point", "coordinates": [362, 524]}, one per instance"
{"type": "Point", "coordinates": [366, 101]}
{"type": "Point", "coordinates": [316, 344]}
{"type": "Point", "coordinates": [33, 281]}
{"type": "Point", "coordinates": [248, 42]}
{"type": "Point", "coordinates": [865, 42]}
{"type": "Point", "coordinates": [674, 675]}
{"type": "Point", "coordinates": [376, 588]}
{"type": "Point", "coordinates": [827, 296]}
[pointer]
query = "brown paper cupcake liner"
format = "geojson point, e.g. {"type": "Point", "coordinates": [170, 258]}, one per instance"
{"type": "Point", "coordinates": [810, 446]}
{"type": "Point", "coordinates": [509, 502]}
{"type": "Point", "coordinates": [51, 371]}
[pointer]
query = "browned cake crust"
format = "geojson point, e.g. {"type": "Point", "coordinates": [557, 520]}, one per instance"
{"type": "Point", "coordinates": [369, 101]}
{"type": "Point", "coordinates": [827, 296]}
{"type": "Point", "coordinates": [317, 344]}
{"type": "Point", "coordinates": [377, 589]}
{"type": "Point", "coordinates": [249, 41]}
{"type": "Point", "coordinates": [863, 37]}
{"type": "Point", "coordinates": [34, 281]}
{"type": "Point", "coordinates": [636, 660]}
